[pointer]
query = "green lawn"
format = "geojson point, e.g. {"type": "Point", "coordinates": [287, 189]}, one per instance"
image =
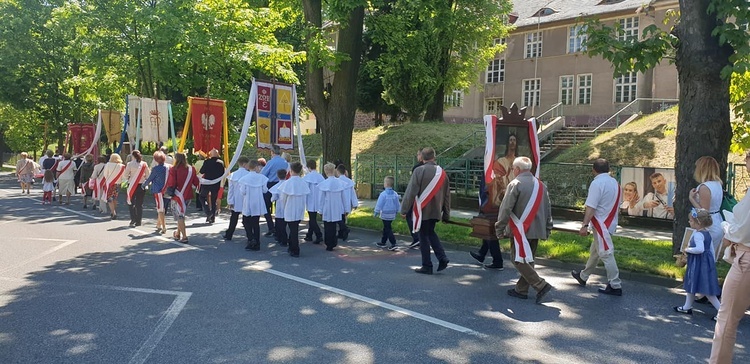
{"type": "Point", "coordinates": [634, 255]}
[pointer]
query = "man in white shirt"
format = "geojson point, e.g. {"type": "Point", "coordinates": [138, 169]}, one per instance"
{"type": "Point", "coordinates": [658, 204]}
{"type": "Point", "coordinates": [602, 206]}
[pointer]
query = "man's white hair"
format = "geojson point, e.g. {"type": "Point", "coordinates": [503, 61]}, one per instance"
{"type": "Point", "coordinates": [522, 163]}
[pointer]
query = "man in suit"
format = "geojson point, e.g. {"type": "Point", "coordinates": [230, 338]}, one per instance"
{"type": "Point", "coordinates": [429, 192]}
{"type": "Point", "coordinates": [526, 216]}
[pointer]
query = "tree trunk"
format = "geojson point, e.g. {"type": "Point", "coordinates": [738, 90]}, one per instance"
{"type": "Point", "coordinates": [335, 111]}
{"type": "Point", "coordinates": [436, 108]}
{"type": "Point", "coordinates": [703, 126]}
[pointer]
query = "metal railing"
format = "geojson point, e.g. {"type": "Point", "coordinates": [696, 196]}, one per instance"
{"type": "Point", "coordinates": [555, 111]}
{"type": "Point", "coordinates": [471, 136]}
{"type": "Point", "coordinates": [663, 104]}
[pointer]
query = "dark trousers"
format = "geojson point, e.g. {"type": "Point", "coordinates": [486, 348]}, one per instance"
{"type": "Point", "coordinates": [198, 199]}
{"type": "Point", "coordinates": [410, 224]}
{"type": "Point", "coordinates": [281, 236]}
{"type": "Point", "coordinates": [388, 232]}
{"type": "Point", "coordinates": [493, 246]}
{"type": "Point", "coordinates": [167, 205]}
{"type": "Point", "coordinates": [233, 219]}
{"type": "Point", "coordinates": [329, 228]}
{"type": "Point", "coordinates": [429, 238]}
{"type": "Point", "coordinates": [209, 203]}
{"type": "Point", "coordinates": [252, 228]}
{"type": "Point", "coordinates": [313, 227]}
{"type": "Point", "coordinates": [267, 200]}
{"type": "Point", "coordinates": [293, 236]}
{"type": "Point", "coordinates": [136, 208]}
{"type": "Point", "coordinates": [343, 229]}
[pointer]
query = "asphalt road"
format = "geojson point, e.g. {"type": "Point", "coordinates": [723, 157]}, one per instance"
{"type": "Point", "coordinates": [76, 287]}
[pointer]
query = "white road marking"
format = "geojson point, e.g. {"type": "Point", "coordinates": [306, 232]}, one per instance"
{"type": "Point", "coordinates": [165, 322]}
{"type": "Point", "coordinates": [382, 304]}
{"type": "Point", "coordinates": [40, 256]}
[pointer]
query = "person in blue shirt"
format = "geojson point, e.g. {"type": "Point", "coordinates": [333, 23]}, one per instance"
{"type": "Point", "coordinates": [157, 179]}
{"type": "Point", "coordinates": [275, 164]}
{"type": "Point", "coordinates": [387, 207]}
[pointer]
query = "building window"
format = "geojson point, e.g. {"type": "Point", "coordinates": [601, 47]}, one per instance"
{"type": "Point", "coordinates": [625, 87]}
{"type": "Point", "coordinates": [566, 90]}
{"type": "Point", "coordinates": [455, 99]}
{"type": "Point", "coordinates": [577, 38]}
{"type": "Point", "coordinates": [533, 45]}
{"type": "Point", "coordinates": [584, 89]}
{"type": "Point", "coordinates": [531, 91]}
{"type": "Point", "coordinates": [545, 12]}
{"type": "Point", "coordinates": [629, 28]}
{"type": "Point", "coordinates": [496, 71]}
{"type": "Point", "coordinates": [498, 41]}
{"type": "Point", "coordinates": [492, 106]}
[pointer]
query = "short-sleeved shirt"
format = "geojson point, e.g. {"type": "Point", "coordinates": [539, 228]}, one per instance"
{"type": "Point", "coordinates": [602, 197]}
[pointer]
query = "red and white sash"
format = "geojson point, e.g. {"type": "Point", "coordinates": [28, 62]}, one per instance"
{"type": "Point", "coordinates": [519, 226]}
{"type": "Point", "coordinates": [133, 183]}
{"type": "Point", "coordinates": [602, 228]}
{"type": "Point", "coordinates": [159, 199]}
{"type": "Point", "coordinates": [106, 185]}
{"type": "Point", "coordinates": [427, 195]}
{"type": "Point", "coordinates": [179, 197]}
{"type": "Point", "coordinates": [65, 168]}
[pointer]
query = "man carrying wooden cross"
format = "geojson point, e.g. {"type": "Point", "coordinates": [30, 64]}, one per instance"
{"type": "Point", "coordinates": [526, 216]}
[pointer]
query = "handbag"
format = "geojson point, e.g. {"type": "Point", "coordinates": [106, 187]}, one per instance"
{"type": "Point", "coordinates": [727, 203]}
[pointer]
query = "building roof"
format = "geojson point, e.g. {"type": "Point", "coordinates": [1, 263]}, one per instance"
{"type": "Point", "coordinates": [528, 10]}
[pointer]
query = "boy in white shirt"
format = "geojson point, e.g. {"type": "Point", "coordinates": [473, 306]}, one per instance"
{"type": "Point", "coordinates": [293, 195]}
{"type": "Point", "coordinates": [332, 204]}
{"type": "Point", "coordinates": [313, 178]}
{"type": "Point", "coordinates": [351, 200]}
{"type": "Point", "coordinates": [281, 236]}
{"type": "Point", "coordinates": [234, 196]}
{"type": "Point", "coordinates": [252, 186]}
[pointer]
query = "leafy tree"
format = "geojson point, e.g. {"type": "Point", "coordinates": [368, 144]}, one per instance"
{"type": "Point", "coordinates": [370, 87]}
{"type": "Point", "coordinates": [708, 48]}
{"type": "Point", "coordinates": [333, 98]}
{"type": "Point", "coordinates": [434, 46]}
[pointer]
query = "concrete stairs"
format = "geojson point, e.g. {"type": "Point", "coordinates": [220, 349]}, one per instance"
{"type": "Point", "coordinates": [568, 137]}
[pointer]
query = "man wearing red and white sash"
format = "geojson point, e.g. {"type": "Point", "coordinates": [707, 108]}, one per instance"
{"type": "Point", "coordinates": [136, 172]}
{"type": "Point", "coordinates": [526, 216]}
{"type": "Point", "coordinates": [428, 191]}
{"type": "Point", "coordinates": [601, 214]}
{"type": "Point", "coordinates": [66, 170]}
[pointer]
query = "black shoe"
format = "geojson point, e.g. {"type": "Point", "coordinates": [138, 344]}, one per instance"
{"type": "Point", "coordinates": [611, 291]}
{"type": "Point", "coordinates": [283, 243]}
{"type": "Point", "coordinates": [423, 270]}
{"type": "Point", "coordinates": [329, 248]}
{"type": "Point", "coordinates": [679, 309]}
{"type": "Point", "coordinates": [512, 292]}
{"type": "Point", "coordinates": [318, 241]}
{"type": "Point", "coordinates": [227, 238]}
{"type": "Point", "coordinates": [132, 224]}
{"type": "Point", "coordinates": [577, 275]}
{"type": "Point", "coordinates": [380, 244]}
{"type": "Point", "coordinates": [213, 219]}
{"type": "Point", "coordinates": [540, 295]}
{"type": "Point", "coordinates": [269, 233]}
{"type": "Point", "coordinates": [138, 224]}
{"type": "Point", "coordinates": [345, 235]}
{"type": "Point", "coordinates": [414, 245]}
{"type": "Point", "coordinates": [308, 238]}
{"type": "Point", "coordinates": [443, 264]}
{"type": "Point", "coordinates": [478, 257]}
{"type": "Point", "coordinates": [293, 254]}
{"type": "Point", "coordinates": [494, 266]}
{"type": "Point", "coordinates": [703, 299]}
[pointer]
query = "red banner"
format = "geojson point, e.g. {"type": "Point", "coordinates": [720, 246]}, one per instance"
{"type": "Point", "coordinates": [82, 135]}
{"type": "Point", "coordinates": [207, 116]}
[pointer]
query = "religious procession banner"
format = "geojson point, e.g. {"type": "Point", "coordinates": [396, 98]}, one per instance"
{"type": "Point", "coordinates": [208, 117]}
{"type": "Point", "coordinates": [274, 112]}
{"type": "Point", "coordinates": [112, 120]}
{"type": "Point", "coordinates": [81, 137]}
{"type": "Point", "coordinates": [154, 120]}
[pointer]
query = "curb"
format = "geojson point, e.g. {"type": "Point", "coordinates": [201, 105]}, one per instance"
{"type": "Point", "coordinates": [624, 275]}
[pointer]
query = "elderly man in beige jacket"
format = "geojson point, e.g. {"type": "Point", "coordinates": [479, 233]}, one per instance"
{"type": "Point", "coordinates": [428, 198]}
{"type": "Point", "coordinates": [526, 216]}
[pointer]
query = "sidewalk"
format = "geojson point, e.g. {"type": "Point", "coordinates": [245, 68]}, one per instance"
{"type": "Point", "coordinates": [568, 225]}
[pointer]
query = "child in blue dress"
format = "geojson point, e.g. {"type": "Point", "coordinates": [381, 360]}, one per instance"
{"type": "Point", "coordinates": [387, 208]}
{"type": "Point", "coordinates": [700, 274]}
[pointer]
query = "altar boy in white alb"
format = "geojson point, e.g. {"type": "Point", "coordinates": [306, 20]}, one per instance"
{"type": "Point", "coordinates": [235, 198]}
{"type": "Point", "coordinates": [332, 204]}
{"type": "Point", "coordinates": [351, 200]}
{"type": "Point", "coordinates": [293, 195]}
{"type": "Point", "coordinates": [252, 186]}
{"type": "Point", "coordinates": [313, 178]}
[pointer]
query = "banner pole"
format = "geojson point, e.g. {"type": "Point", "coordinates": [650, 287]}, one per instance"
{"type": "Point", "coordinates": [226, 134]}
{"type": "Point", "coordinates": [295, 109]}
{"type": "Point", "coordinates": [187, 125]}
{"type": "Point", "coordinates": [171, 124]}
{"type": "Point", "coordinates": [124, 126]}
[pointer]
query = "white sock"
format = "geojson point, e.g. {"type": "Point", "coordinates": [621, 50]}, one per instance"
{"type": "Point", "coordinates": [714, 301]}
{"type": "Point", "coordinates": [689, 298]}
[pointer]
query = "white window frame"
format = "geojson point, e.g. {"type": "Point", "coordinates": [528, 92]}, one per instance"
{"type": "Point", "coordinates": [498, 41]}
{"type": "Point", "coordinates": [629, 28]}
{"type": "Point", "coordinates": [584, 91]}
{"type": "Point", "coordinates": [577, 38]}
{"type": "Point", "coordinates": [454, 99]}
{"type": "Point", "coordinates": [533, 42]}
{"type": "Point", "coordinates": [495, 71]}
{"type": "Point", "coordinates": [531, 91]}
{"type": "Point", "coordinates": [567, 89]}
{"type": "Point", "coordinates": [492, 106]}
{"type": "Point", "coordinates": [627, 87]}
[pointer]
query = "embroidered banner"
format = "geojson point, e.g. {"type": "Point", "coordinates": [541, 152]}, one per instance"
{"type": "Point", "coordinates": [82, 135]}
{"type": "Point", "coordinates": [274, 113]}
{"type": "Point", "coordinates": [207, 116]}
{"type": "Point", "coordinates": [112, 120]}
{"type": "Point", "coordinates": [154, 120]}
